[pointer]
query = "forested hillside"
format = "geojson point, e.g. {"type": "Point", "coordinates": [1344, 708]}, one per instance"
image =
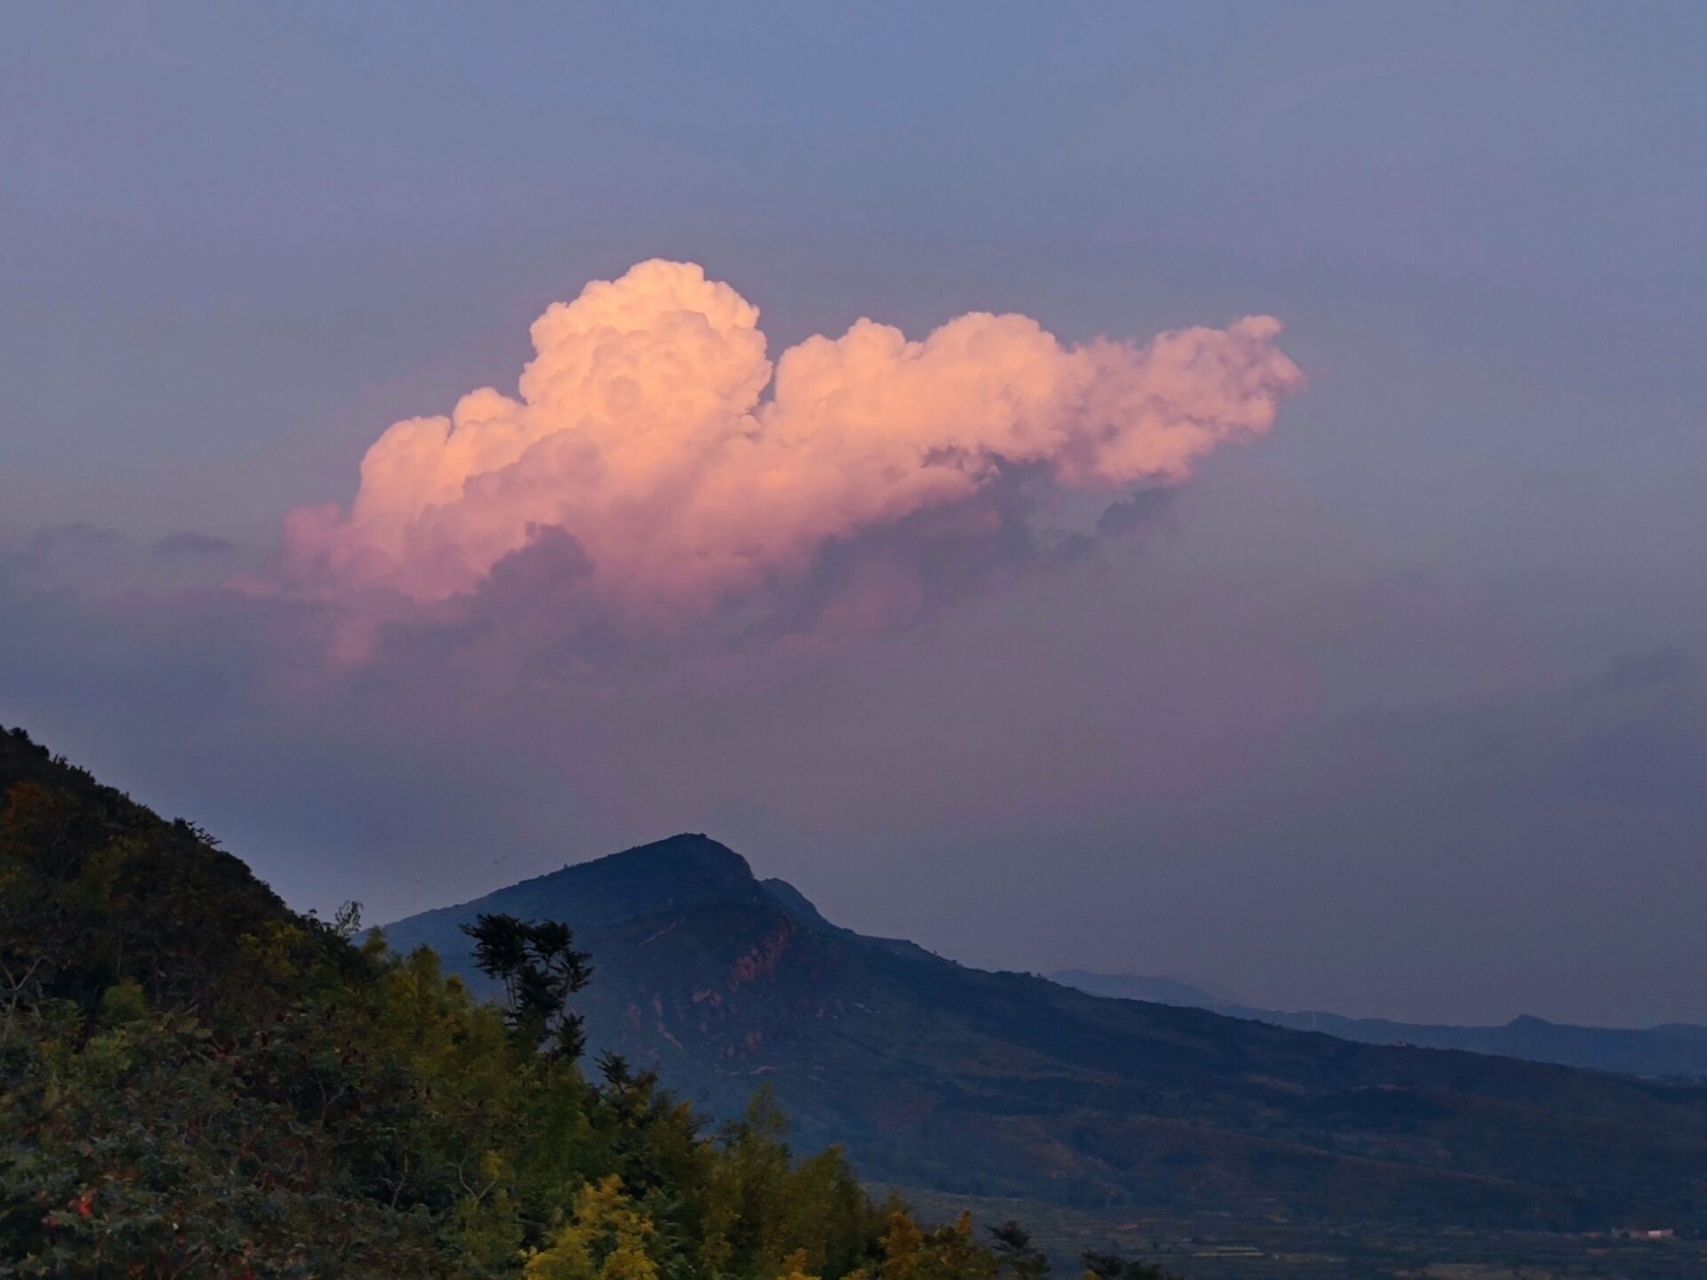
{"type": "Point", "coordinates": [196, 1081]}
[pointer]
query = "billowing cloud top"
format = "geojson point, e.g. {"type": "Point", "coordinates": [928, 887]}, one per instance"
{"type": "Point", "coordinates": [643, 438]}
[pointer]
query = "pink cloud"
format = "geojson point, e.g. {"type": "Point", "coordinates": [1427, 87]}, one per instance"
{"type": "Point", "coordinates": [691, 474]}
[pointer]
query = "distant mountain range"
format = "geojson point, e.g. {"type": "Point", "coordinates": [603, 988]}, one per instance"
{"type": "Point", "coordinates": [937, 1075]}
{"type": "Point", "coordinates": [1672, 1051]}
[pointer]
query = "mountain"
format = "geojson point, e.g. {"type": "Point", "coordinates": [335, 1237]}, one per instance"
{"type": "Point", "coordinates": [1674, 1051]}
{"type": "Point", "coordinates": [937, 1075]}
{"type": "Point", "coordinates": [1133, 986]}
{"type": "Point", "coordinates": [198, 1082]}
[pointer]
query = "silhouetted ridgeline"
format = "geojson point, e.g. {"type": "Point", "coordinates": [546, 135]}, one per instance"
{"type": "Point", "coordinates": [1675, 1051]}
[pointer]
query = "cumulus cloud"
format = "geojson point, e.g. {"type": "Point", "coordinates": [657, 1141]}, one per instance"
{"type": "Point", "coordinates": [671, 473]}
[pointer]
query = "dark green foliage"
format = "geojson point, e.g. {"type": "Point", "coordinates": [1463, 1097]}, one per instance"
{"type": "Point", "coordinates": [540, 969]}
{"type": "Point", "coordinates": [1111, 1266]}
{"type": "Point", "coordinates": [197, 1082]}
{"type": "Point", "coordinates": [1016, 1253]}
{"type": "Point", "coordinates": [150, 1147]}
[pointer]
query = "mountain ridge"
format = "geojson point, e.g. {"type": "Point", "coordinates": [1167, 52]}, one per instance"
{"type": "Point", "coordinates": [1668, 1051]}
{"type": "Point", "coordinates": [934, 1074]}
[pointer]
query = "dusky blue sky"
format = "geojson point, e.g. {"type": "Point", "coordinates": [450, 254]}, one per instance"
{"type": "Point", "coordinates": [1399, 710]}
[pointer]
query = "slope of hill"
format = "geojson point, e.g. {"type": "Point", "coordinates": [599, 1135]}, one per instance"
{"type": "Point", "coordinates": [937, 1075]}
{"type": "Point", "coordinates": [1138, 986]}
{"type": "Point", "coordinates": [1677, 1051]}
{"type": "Point", "coordinates": [197, 1082]}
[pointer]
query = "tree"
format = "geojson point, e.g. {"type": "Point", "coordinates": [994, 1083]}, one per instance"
{"type": "Point", "coordinates": [540, 970]}
{"type": "Point", "coordinates": [1017, 1254]}
{"type": "Point", "coordinates": [607, 1239]}
{"type": "Point", "coordinates": [946, 1253]}
{"type": "Point", "coordinates": [1111, 1266]}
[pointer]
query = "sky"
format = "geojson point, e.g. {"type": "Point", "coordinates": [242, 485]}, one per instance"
{"type": "Point", "coordinates": [1208, 490]}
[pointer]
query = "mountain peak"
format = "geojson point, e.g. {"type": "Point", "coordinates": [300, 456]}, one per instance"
{"type": "Point", "coordinates": [683, 870]}
{"type": "Point", "coordinates": [691, 853]}
{"type": "Point", "coordinates": [686, 870]}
